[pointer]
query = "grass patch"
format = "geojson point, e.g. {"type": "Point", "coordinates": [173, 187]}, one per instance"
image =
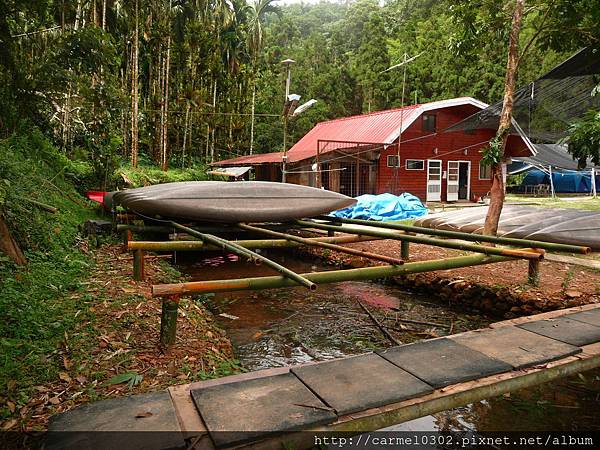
{"type": "Point", "coordinates": [38, 310]}
{"type": "Point", "coordinates": [586, 203]}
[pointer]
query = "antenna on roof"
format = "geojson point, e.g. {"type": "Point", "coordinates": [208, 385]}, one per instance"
{"type": "Point", "coordinates": [405, 61]}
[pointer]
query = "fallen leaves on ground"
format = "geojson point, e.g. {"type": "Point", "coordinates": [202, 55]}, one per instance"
{"type": "Point", "coordinates": [115, 349]}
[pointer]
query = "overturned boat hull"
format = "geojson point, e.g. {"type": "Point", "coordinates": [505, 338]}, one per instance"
{"type": "Point", "coordinates": [227, 202]}
{"type": "Point", "coordinates": [564, 226]}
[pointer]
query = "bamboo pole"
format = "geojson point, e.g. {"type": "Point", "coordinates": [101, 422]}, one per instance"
{"type": "Point", "coordinates": [465, 236]}
{"type": "Point", "coordinates": [139, 273]}
{"type": "Point", "coordinates": [405, 250]}
{"type": "Point", "coordinates": [241, 251]}
{"type": "Point", "coordinates": [202, 229]}
{"type": "Point", "coordinates": [533, 273]}
{"type": "Point", "coordinates": [334, 276]}
{"type": "Point", "coordinates": [168, 321]}
{"type": "Point", "coordinates": [385, 332]}
{"type": "Point", "coordinates": [127, 236]}
{"type": "Point", "coordinates": [40, 205]}
{"type": "Point", "coordinates": [199, 246]}
{"type": "Point", "coordinates": [532, 254]}
{"type": "Point", "coordinates": [144, 228]}
{"type": "Point", "coordinates": [330, 246]}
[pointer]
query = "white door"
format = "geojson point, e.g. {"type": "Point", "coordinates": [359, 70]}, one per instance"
{"type": "Point", "coordinates": [434, 180]}
{"type": "Point", "coordinates": [452, 182]}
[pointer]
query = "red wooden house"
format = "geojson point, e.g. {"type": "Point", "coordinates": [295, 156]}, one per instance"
{"type": "Point", "coordinates": [398, 150]}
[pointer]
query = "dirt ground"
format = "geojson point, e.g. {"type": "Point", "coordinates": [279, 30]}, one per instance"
{"type": "Point", "coordinates": [558, 281]}
{"type": "Point", "coordinates": [115, 351]}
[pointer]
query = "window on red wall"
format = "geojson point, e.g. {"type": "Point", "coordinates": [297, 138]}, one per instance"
{"type": "Point", "coordinates": [415, 164]}
{"type": "Point", "coordinates": [392, 161]}
{"type": "Point", "coordinates": [485, 171]}
{"type": "Point", "coordinates": [429, 122]}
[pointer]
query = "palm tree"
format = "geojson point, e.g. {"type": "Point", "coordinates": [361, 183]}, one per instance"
{"type": "Point", "coordinates": [258, 10]}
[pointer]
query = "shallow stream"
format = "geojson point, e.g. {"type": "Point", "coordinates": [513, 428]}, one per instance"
{"type": "Point", "coordinates": [277, 327]}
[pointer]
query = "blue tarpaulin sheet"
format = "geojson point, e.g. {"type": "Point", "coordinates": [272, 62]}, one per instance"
{"type": "Point", "coordinates": [383, 207]}
{"type": "Point", "coordinates": [564, 181]}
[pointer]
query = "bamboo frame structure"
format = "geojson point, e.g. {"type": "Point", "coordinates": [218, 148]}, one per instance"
{"type": "Point", "coordinates": [322, 244]}
{"type": "Point", "coordinates": [465, 236]}
{"type": "Point", "coordinates": [199, 246]}
{"type": "Point", "coordinates": [334, 276]}
{"type": "Point", "coordinates": [386, 234]}
{"type": "Point", "coordinates": [241, 251]}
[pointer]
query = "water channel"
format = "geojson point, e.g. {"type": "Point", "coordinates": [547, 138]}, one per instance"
{"type": "Point", "coordinates": [278, 327]}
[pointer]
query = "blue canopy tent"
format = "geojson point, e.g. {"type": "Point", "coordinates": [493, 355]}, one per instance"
{"type": "Point", "coordinates": [554, 166]}
{"type": "Point", "coordinates": [564, 181]}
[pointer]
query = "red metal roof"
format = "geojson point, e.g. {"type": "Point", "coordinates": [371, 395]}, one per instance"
{"type": "Point", "coordinates": [259, 158]}
{"type": "Point", "coordinates": [375, 127]}
{"type": "Point", "coordinates": [381, 127]}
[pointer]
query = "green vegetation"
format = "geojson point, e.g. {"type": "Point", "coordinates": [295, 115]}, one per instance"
{"type": "Point", "coordinates": [37, 309]}
{"type": "Point", "coordinates": [170, 86]}
{"type": "Point", "coordinates": [175, 83]}
{"type": "Point", "coordinates": [584, 137]}
{"type": "Point", "coordinates": [148, 175]}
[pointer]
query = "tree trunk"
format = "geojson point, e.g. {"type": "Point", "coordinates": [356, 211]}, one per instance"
{"type": "Point", "coordinates": [9, 246]}
{"type": "Point", "coordinates": [161, 86]}
{"type": "Point", "coordinates": [134, 92]}
{"type": "Point", "coordinates": [497, 191]}
{"type": "Point", "coordinates": [185, 134]}
{"type": "Point", "coordinates": [252, 116]}
{"type": "Point", "coordinates": [77, 15]}
{"type": "Point", "coordinates": [104, 14]}
{"type": "Point", "coordinates": [214, 103]}
{"type": "Point", "coordinates": [164, 159]}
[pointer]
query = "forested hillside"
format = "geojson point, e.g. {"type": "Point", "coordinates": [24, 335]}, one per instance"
{"type": "Point", "coordinates": [182, 82]}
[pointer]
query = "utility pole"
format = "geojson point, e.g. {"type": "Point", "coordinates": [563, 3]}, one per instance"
{"type": "Point", "coordinates": [288, 64]}
{"type": "Point", "coordinates": [405, 61]}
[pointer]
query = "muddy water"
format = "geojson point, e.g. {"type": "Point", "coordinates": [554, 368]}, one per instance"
{"type": "Point", "coordinates": [278, 327]}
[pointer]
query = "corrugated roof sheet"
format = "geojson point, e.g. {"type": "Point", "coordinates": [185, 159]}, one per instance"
{"type": "Point", "coordinates": [375, 127]}
{"type": "Point", "coordinates": [259, 158]}
{"type": "Point", "coordinates": [554, 155]}
{"type": "Point", "coordinates": [381, 127]}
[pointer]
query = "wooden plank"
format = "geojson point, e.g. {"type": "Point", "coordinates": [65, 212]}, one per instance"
{"type": "Point", "coordinates": [441, 362]}
{"type": "Point", "coordinates": [187, 414]}
{"type": "Point", "coordinates": [354, 384]}
{"type": "Point", "coordinates": [519, 348]}
{"type": "Point", "coordinates": [235, 413]}
{"type": "Point", "coordinates": [591, 317]}
{"type": "Point", "coordinates": [566, 330]}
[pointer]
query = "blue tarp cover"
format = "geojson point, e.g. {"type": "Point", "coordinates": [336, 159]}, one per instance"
{"type": "Point", "coordinates": [564, 181]}
{"type": "Point", "coordinates": [383, 207]}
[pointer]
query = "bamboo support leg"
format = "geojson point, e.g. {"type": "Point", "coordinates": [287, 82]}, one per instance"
{"type": "Point", "coordinates": [139, 273]}
{"type": "Point", "coordinates": [168, 321]}
{"type": "Point", "coordinates": [405, 250]}
{"type": "Point", "coordinates": [127, 236]}
{"type": "Point", "coordinates": [533, 274]}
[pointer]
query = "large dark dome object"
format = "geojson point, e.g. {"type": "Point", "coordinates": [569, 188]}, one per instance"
{"type": "Point", "coordinates": [231, 202]}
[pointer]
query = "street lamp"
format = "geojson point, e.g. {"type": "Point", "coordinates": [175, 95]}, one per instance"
{"type": "Point", "coordinates": [290, 108]}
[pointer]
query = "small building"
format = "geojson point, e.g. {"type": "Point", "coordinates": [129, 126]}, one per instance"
{"type": "Point", "coordinates": [397, 150]}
